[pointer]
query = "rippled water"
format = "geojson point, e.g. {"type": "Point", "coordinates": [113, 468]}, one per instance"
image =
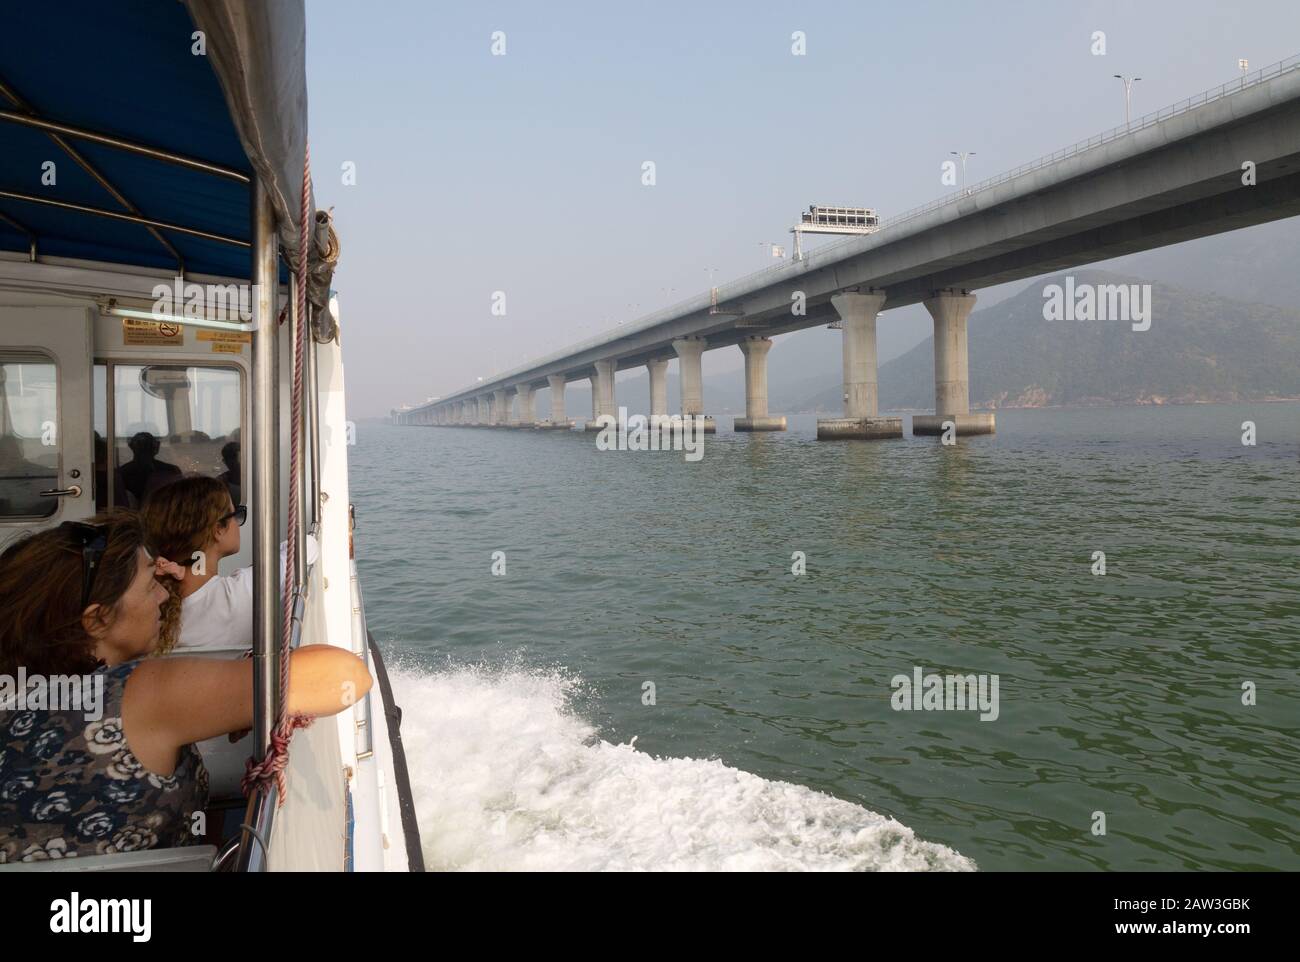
{"type": "Point", "coordinates": [1119, 693]}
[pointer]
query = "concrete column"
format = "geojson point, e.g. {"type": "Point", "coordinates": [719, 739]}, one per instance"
{"type": "Point", "coordinates": [858, 312]}
{"type": "Point", "coordinates": [658, 369]}
{"type": "Point", "coordinates": [559, 419]}
{"type": "Point", "coordinates": [500, 407]}
{"type": "Point", "coordinates": [527, 417]}
{"type": "Point", "coordinates": [602, 392]}
{"type": "Point", "coordinates": [606, 370]}
{"type": "Point", "coordinates": [756, 417]}
{"type": "Point", "coordinates": [950, 309]}
{"type": "Point", "coordinates": [689, 351]}
{"type": "Point", "coordinates": [484, 411]}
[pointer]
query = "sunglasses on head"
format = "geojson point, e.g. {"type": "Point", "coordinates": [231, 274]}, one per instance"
{"type": "Point", "coordinates": [94, 541]}
{"type": "Point", "coordinates": [240, 514]}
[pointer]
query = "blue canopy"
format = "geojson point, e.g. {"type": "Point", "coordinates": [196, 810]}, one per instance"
{"type": "Point", "coordinates": [129, 69]}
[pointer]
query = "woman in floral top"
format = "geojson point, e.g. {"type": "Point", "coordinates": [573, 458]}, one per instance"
{"type": "Point", "coordinates": [97, 748]}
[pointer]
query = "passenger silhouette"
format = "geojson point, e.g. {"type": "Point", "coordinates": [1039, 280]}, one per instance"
{"type": "Point", "coordinates": [230, 455]}
{"type": "Point", "coordinates": [144, 473]}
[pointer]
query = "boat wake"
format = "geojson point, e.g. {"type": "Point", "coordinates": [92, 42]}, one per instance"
{"type": "Point", "coordinates": [506, 776]}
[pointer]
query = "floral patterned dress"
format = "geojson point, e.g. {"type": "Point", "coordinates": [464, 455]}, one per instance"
{"type": "Point", "coordinates": [71, 787]}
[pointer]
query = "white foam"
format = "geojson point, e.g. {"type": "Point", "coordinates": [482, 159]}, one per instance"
{"type": "Point", "coordinates": [507, 777]}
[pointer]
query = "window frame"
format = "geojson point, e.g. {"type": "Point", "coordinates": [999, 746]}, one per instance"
{"type": "Point", "coordinates": [40, 355]}
{"type": "Point", "coordinates": [110, 401]}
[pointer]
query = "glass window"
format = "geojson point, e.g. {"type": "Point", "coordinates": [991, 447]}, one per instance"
{"type": "Point", "coordinates": [29, 441]}
{"type": "Point", "coordinates": [171, 421]}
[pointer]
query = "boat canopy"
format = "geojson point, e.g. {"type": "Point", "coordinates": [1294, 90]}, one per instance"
{"type": "Point", "coordinates": [214, 91]}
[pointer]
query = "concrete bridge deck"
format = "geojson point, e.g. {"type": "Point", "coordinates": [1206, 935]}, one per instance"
{"type": "Point", "coordinates": [1171, 176]}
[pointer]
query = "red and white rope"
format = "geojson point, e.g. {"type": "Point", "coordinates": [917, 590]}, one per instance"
{"type": "Point", "coordinates": [271, 767]}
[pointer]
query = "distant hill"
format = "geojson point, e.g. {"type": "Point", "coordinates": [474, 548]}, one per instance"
{"type": "Point", "coordinates": [1200, 347]}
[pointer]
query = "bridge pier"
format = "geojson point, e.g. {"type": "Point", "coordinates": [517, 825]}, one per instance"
{"type": "Point", "coordinates": [658, 371]}
{"type": "Point", "coordinates": [602, 393]}
{"type": "Point", "coordinates": [689, 351]}
{"type": "Point", "coordinates": [527, 414]}
{"type": "Point", "coordinates": [756, 417]}
{"type": "Point", "coordinates": [861, 420]}
{"type": "Point", "coordinates": [498, 412]}
{"type": "Point", "coordinates": [950, 309]}
{"type": "Point", "coordinates": [484, 412]}
{"type": "Point", "coordinates": [558, 421]}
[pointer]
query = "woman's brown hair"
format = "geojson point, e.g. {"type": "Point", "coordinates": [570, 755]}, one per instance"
{"type": "Point", "coordinates": [178, 521]}
{"type": "Point", "coordinates": [41, 584]}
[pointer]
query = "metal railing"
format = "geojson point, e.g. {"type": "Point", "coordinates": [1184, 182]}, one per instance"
{"type": "Point", "coordinates": [702, 301]}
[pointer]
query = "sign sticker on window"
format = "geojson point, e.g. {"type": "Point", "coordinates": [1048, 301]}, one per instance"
{"type": "Point", "coordinates": [226, 342]}
{"type": "Point", "coordinates": [152, 333]}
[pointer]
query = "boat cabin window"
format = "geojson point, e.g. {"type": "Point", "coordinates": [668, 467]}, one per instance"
{"type": "Point", "coordinates": [168, 421]}
{"type": "Point", "coordinates": [29, 442]}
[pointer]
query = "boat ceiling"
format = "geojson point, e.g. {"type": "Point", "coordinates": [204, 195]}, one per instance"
{"type": "Point", "coordinates": [126, 69]}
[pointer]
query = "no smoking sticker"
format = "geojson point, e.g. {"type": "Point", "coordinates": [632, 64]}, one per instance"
{"type": "Point", "coordinates": [153, 333]}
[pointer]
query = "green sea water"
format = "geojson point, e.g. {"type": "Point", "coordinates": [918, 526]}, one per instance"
{"type": "Point", "coordinates": [1120, 694]}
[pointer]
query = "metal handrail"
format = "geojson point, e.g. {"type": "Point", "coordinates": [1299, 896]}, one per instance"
{"type": "Point", "coordinates": [702, 301]}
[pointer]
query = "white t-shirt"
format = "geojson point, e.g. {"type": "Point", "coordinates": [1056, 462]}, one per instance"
{"type": "Point", "coordinates": [220, 614]}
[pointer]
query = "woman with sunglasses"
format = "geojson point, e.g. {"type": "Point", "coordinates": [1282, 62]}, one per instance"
{"type": "Point", "coordinates": [193, 522]}
{"type": "Point", "coordinates": [84, 600]}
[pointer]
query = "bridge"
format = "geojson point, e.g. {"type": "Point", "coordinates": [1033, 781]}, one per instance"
{"type": "Point", "coordinates": [1221, 160]}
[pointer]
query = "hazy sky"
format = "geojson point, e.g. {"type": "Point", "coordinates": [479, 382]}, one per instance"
{"type": "Point", "coordinates": [521, 173]}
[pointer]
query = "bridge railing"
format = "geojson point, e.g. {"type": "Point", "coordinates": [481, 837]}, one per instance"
{"type": "Point", "coordinates": [733, 287]}
{"type": "Point", "coordinates": [1147, 120]}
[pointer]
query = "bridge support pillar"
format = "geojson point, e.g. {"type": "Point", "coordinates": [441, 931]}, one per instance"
{"type": "Point", "coordinates": [484, 412]}
{"type": "Point", "coordinates": [756, 417]}
{"type": "Point", "coordinates": [602, 393]}
{"type": "Point", "coordinates": [559, 420]}
{"type": "Point", "coordinates": [527, 416]}
{"type": "Point", "coordinates": [689, 351]}
{"type": "Point", "coordinates": [658, 370]}
{"type": "Point", "coordinates": [950, 309]}
{"type": "Point", "coordinates": [858, 312]}
{"type": "Point", "coordinates": [499, 412]}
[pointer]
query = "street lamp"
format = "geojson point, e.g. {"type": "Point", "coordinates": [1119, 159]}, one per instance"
{"type": "Point", "coordinates": [963, 154]}
{"type": "Point", "coordinates": [1128, 94]}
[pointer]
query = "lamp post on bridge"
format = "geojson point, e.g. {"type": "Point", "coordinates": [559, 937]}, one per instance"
{"type": "Point", "coordinates": [963, 154]}
{"type": "Point", "coordinates": [1128, 95]}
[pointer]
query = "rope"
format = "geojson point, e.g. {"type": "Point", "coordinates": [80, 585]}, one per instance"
{"type": "Point", "coordinates": [271, 767]}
